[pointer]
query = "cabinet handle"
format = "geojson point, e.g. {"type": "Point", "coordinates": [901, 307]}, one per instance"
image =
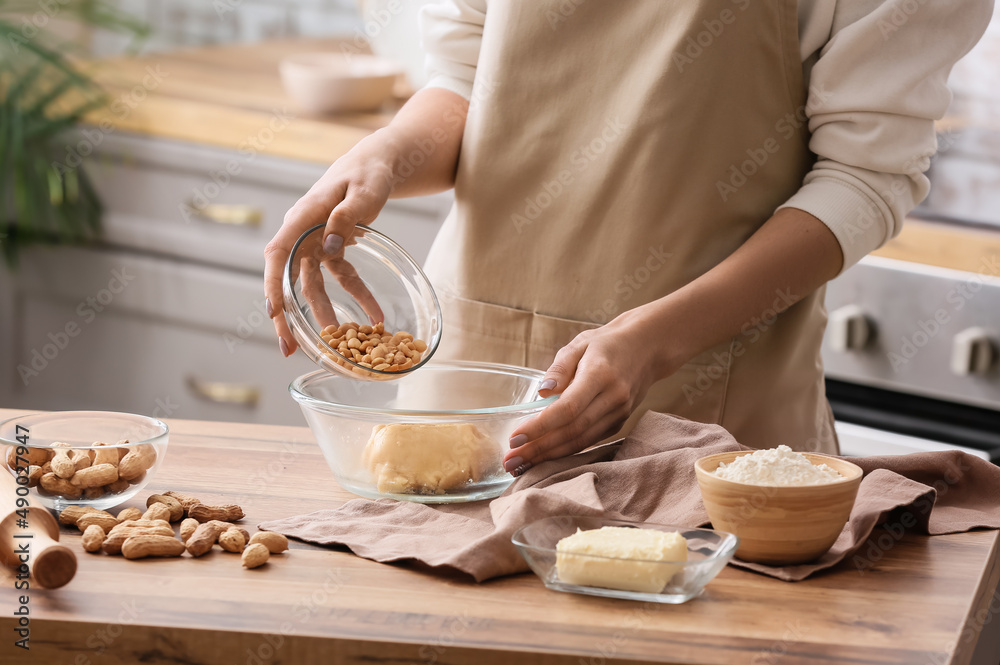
{"type": "Point", "coordinates": [229, 213]}
{"type": "Point", "coordinates": [225, 393]}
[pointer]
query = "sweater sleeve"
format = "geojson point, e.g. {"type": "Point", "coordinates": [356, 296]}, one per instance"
{"type": "Point", "coordinates": [875, 90]}
{"type": "Point", "coordinates": [452, 31]}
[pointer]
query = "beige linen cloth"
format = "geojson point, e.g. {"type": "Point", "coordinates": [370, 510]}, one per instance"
{"type": "Point", "coordinates": [649, 477]}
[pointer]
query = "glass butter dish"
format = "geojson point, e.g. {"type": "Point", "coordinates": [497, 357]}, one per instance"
{"type": "Point", "coordinates": [658, 581]}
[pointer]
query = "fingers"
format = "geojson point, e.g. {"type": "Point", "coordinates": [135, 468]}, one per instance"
{"type": "Point", "coordinates": [306, 213]}
{"type": "Point", "coordinates": [356, 287]}
{"type": "Point", "coordinates": [284, 334]}
{"type": "Point", "coordinates": [563, 368]}
{"type": "Point", "coordinates": [571, 408]}
{"type": "Point", "coordinates": [274, 266]}
{"type": "Point", "coordinates": [314, 292]}
{"type": "Point", "coordinates": [604, 420]}
{"type": "Point", "coordinates": [361, 205]}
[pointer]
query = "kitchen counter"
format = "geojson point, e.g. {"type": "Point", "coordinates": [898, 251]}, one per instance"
{"type": "Point", "coordinates": [922, 600]}
{"type": "Point", "coordinates": [228, 96]}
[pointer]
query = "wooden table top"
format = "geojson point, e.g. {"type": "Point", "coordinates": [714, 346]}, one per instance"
{"type": "Point", "coordinates": [227, 95]}
{"type": "Point", "coordinates": [916, 605]}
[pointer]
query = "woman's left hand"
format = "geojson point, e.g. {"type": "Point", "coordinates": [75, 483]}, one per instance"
{"type": "Point", "coordinates": [602, 376]}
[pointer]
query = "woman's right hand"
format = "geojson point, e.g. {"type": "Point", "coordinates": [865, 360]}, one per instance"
{"type": "Point", "coordinates": [351, 192]}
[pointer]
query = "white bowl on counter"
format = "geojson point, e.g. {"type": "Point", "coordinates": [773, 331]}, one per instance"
{"type": "Point", "coordinates": [321, 83]}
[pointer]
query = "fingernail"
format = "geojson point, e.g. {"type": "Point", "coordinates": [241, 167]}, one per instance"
{"type": "Point", "coordinates": [521, 469]}
{"type": "Point", "coordinates": [547, 384]}
{"type": "Point", "coordinates": [283, 346]}
{"type": "Point", "coordinates": [333, 243]}
{"type": "Point", "coordinates": [267, 306]}
{"type": "Point", "coordinates": [371, 320]}
{"type": "Point", "coordinates": [518, 441]}
{"type": "Point", "coordinates": [512, 464]}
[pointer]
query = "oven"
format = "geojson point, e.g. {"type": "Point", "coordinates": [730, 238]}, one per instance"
{"type": "Point", "coordinates": [912, 358]}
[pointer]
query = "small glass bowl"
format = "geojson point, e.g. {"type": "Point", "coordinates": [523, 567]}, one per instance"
{"type": "Point", "coordinates": [28, 439]}
{"type": "Point", "coordinates": [372, 280]}
{"type": "Point", "coordinates": [483, 401]}
{"type": "Point", "coordinates": [708, 553]}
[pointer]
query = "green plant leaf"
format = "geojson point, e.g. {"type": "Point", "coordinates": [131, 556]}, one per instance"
{"type": "Point", "coordinates": [43, 94]}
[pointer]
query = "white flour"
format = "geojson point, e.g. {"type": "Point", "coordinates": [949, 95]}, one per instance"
{"type": "Point", "coordinates": [779, 466]}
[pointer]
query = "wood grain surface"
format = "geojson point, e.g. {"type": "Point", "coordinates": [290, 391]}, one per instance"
{"type": "Point", "coordinates": [920, 601]}
{"type": "Point", "coordinates": [974, 250]}
{"type": "Point", "coordinates": [229, 96]}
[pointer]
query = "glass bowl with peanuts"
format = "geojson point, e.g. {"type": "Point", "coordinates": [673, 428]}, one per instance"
{"type": "Point", "coordinates": [368, 312]}
{"type": "Point", "coordinates": [85, 458]}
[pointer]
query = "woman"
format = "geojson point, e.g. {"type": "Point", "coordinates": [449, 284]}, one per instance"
{"type": "Point", "coordinates": [650, 196]}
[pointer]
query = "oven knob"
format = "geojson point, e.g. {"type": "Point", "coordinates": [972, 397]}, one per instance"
{"type": "Point", "coordinates": [972, 352]}
{"type": "Point", "coordinates": [850, 328]}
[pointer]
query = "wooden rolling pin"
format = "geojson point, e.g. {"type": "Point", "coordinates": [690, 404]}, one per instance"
{"type": "Point", "coordinates": [50, 564]}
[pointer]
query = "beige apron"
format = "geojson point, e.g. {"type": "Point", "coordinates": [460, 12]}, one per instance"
{"type": "Point", "coordinates": [615, 151]}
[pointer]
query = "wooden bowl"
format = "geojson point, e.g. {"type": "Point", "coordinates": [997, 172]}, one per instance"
{"type": "Point", "coordinates": [779, 525]}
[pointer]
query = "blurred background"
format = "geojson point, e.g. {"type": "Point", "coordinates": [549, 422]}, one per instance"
{"type": "Point", "coordinates": [168, 139]}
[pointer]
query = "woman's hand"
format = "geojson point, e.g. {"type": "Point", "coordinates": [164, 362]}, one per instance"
{"type": "Point", "coordinates": [602, 376]}
{"type": "Point", "coordinates": [352, 191]}
{"type": "Point", "coordinates": [416, 154]}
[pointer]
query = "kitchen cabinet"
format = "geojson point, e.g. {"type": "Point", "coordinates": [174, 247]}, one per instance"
{"type": "Point", "coordinates": [166, 315]}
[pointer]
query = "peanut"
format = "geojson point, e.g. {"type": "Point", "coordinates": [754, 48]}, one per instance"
{"type": "Point", "coordinates": [175, 507]}
{"type": "Point", "coordinates": [140, 546]}
{"type": "Point", "coordinates": [62, 464]}
{"type": "Point", "coordinates": [92, 493]}
{"type": "Point", "coordinates": [105, 454]}
{"type": "Point", "coordinates": [157, 511]}
{"type": "Point", "coordinates": [95, 476]}
{"type": "Point", "coordinates": [81, 459]}
{"type": "Point", "coordinates": [56, 485]}
{"type": "Point", "coordinates": [275, 542]}
{"type": "Point", "coordinates": [255, 555]}
{"type": "Point", "coordinates": [188, 527]}
{"type": "Point", "coordinates": [226, 513]}
{"type": "Point", "coordinates": [185, 500]}
{"type": "Point", "coordinates": [34, 475]}
{"type": "Point", "coordinates": [142, 524]}
{"type": "Point", "coordinates": [70, 514]}
{"type": "Point", "coordinates": [104, 519]}
{"type": "Point", "coordinates": [119, 485]}
{"type": "Point", "coordinates": [231, 540]}
{"type": "Point", "coordinates": [34, 457]}
{"type": "Point", "coordinates": [136, 462]}
{"type": "Point", "coordinates": [374, 349]}
{"type": "Point", "coordinates": [117, 537]}
{"type": "Point", "coordinates": [93, 538]}
{"type": "Point", "coordinates": [130, 513]}
{"type": "Point", "coordinates": [203, 538]}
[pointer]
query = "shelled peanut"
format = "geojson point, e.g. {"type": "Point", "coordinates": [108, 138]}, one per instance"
{"type": "Point", "coordinates": [137, 535]}
{"type": "Point", "coordinates": [372, 347]}
{"type": "Point", "coordinates": [87, 473]}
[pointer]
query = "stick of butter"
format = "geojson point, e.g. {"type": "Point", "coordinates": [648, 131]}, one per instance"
{"type": "Point", "coordinates": [617, 557]}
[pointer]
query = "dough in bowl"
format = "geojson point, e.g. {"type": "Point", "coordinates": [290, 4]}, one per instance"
{"type": "Point", "coordinates": [408, 458]}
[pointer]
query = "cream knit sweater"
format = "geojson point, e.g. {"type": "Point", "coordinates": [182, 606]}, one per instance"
{"type": "Point", "coordinates": [876, 71]}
